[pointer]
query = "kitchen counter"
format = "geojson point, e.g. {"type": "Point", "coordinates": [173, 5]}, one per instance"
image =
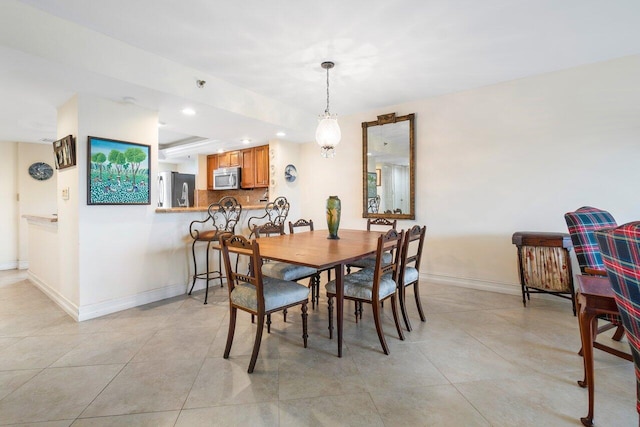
{"type": "Point", "coordinates": [40, 219]}
{"type": "Point", "coordinates": [204, 209]}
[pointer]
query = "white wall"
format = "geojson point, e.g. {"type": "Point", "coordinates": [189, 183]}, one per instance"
{"type": "Point", "coordinates": [112, 257]}
{"type": "Point", "coordinates": [499, 159]}
{"type": "Point", "coordinates": [8, 200]}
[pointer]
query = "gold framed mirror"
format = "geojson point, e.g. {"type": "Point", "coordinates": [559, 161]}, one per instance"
{"type": "Point", "coordinates": [388, 167]}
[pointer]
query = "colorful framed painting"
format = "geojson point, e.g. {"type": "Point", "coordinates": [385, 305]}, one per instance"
{"type": "Point", "coordinates": [64, 152]}
{"type": "Point", "coordinates": [118, 172]}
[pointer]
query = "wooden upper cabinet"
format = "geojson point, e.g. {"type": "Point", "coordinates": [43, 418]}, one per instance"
{"type": "Point", "coordinates": [248, 171]}
{"type": "Point", "coordinates": [212, 164]}
{"type": "Point", "coordinates": [255, 167]}
{"type": "Point", "coordinates": [253, 161]}
{"type": "Point", "coordinates": [261, 155]}
{"type": "Point", "coordinates": [229, 159]}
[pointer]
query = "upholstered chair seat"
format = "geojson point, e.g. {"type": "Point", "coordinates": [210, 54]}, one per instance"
{"type": "Point", "coordinates": [360, 285]}
{"type": "Point", "coordinates": [277, 293]}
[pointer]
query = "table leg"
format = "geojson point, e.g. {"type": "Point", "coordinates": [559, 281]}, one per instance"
{"type": "Point", "coordinates": [339, 304]}
{"type": "Point", "coordinates": [586, 334]}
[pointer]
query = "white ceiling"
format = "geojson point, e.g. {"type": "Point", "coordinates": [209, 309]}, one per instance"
{"type": "Point", "coordinates": [261, 59]}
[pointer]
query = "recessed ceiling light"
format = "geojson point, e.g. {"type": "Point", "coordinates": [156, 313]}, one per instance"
{"type": "Point", "coordinates": [128, 100]}
{"type": "Point", "coordinates": [246, 141]}
{"type": "Point", "coordinates": [188, 111]}
{"type": "Point", "coordinates": [220, 150]}
{"type": "Point", "coordinates": [281, 134]}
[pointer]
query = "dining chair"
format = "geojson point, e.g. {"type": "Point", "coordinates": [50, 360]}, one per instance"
{"type": "Point", "coordinates": [379, 224]}
{"type": "Point", "coordinates": [308, 225]}
{"type": "Point", "coordinates": [370, 261]}
{"type": "Point", "coordinates": [409, 274]}
{"type": "Point", "coordinates": [582, 223]}
{"type": "Point", "coordinates": [285, 270]}
{"type": "Point", "coordinates": [620, 249]}
{"type": "Point", "coordinates": [275, 212]}
{"type": "Point", "coordinates": [256, 294]}
{"type": "Point", "coordinates": [222, 218]}
{"type": "Point", "coordinates": [372, 286]}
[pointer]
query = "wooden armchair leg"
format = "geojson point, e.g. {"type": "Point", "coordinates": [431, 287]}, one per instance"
{"type": "Point", "coordinates": [617, 336]}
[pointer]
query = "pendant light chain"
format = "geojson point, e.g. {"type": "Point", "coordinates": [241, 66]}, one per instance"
{"type": "Point", "coordinates": [327, 110]}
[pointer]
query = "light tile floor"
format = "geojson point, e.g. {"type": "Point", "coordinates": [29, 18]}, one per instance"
{"type": "Point", "coordinates": [481, 359]}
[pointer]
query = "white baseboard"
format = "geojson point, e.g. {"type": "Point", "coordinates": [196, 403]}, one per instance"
{"type": "Point", "coordinates": [69, 307]}
{"type": "Point", "coordinates": [11, 265]}
{"type": "Point", "coordinates": [23, 265]}
{"type": "Point", "coordinates": [92, 311]}
{"type": "Point", "coordinates": [482, 285]}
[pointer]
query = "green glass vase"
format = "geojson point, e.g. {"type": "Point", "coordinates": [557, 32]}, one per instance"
{"type": "Point", "coordinates": [333, 216]}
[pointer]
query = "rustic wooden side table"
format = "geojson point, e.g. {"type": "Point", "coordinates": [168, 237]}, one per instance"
{"type": "Point", "coordinates": [544, 264]}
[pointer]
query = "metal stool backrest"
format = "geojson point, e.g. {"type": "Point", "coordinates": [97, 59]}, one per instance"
{"type": "Point", "coordinates": [225, 213]}
{"type": "Point", "coordinates": [276, 212]}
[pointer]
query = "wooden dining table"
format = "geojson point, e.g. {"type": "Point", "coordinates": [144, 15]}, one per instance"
{"type": "Point", "coordinates": [314, 249]}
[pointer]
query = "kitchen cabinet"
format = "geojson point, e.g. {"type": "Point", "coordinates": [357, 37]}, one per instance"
{"type": "Point", "coordinates": [261, 157]}
{"type": "Point", "coordinates": [254, 163]}
{"type": "Point", "coordinates": [212, 164]}
{"type": "Point", "coordinates": [255, 167]}
{"type": "Point", "coordinates": [248, 174]}
{"type": "Point", "coordinates": [229, 159]}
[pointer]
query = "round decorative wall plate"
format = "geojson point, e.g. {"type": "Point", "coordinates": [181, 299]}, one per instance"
{"type": "Point", "coordinates": [40, 171]}
{"type": "Point", "coordinates": [290, 173]}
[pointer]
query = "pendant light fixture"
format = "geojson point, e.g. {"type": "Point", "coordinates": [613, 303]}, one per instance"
{"type": "Point", "coordinates": [328, 132]}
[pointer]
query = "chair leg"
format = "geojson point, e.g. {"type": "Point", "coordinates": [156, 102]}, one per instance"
{"type": "Point", "coordinates": [268, 323]}
{"type": "Point", "coordinates": [195, 266]}
{"type": "Point", "coordinates": [304, 324]}
{"type": "Point", "coordinates": [617, 336]}
{"type": "Point", "coordinates": [220, 266]}
{"type": "Point", "coordinates": [416, 293]}
{"type": "Point", "coordinates": [330, 304]}
{"type": "Point", "coordinates": [256, 344]}
{"type": "Point", "coordinates": [394, 309]}
{"type": "Point", "coordinates": [232, 328]}
{"type": "Point", "coordinates": [284, 314]}
{"type": "Point", "coordinates": [403, 307]}
{"type": "Point", "coordinates": [376, 317]}
{"type": "Point", "coordinates": [206, 292]}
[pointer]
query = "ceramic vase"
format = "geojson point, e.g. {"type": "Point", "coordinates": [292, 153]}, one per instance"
{"type": "Point", "coordinates": [333, 216]}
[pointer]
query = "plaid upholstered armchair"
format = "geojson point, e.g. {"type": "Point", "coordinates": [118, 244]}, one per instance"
{"type": "Point", "coordinates": [620, 248]}
{"type": "Point", "coordinates": [582, 224]}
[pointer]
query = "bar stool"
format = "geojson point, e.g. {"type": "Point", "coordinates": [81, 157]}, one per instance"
{"type": "Point", "coordinates": [276, 213]}
{"type": "Point", "coordinates": [221, 219]}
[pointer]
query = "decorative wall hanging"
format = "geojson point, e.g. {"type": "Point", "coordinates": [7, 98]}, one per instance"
{"type": "Point", "coordinates": [118, 172]}
{"type": "Point", "coordinates": [64, 152]}
{"type": "Point", "coordinates": [40, 171]}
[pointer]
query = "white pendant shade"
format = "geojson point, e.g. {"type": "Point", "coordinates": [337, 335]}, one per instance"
{"type": "Point", "coordinates": [328, 132]}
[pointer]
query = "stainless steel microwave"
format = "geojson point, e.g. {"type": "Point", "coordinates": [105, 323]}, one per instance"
{"type": "Point", "coordinates": [226, 178]}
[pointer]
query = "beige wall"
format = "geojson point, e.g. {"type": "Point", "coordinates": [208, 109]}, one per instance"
{"type": "Point", "coordinates": [8, 201]}
{"type": "Point", "coordinates": [498, 159]}
{"type": "Point", "coordinates": [36, 197]}
{"type": "Point", "coordinates": [20, 194]}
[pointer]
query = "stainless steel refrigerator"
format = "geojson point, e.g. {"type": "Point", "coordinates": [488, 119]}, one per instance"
{"type": "Point", "coordinates": [176, 190]}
